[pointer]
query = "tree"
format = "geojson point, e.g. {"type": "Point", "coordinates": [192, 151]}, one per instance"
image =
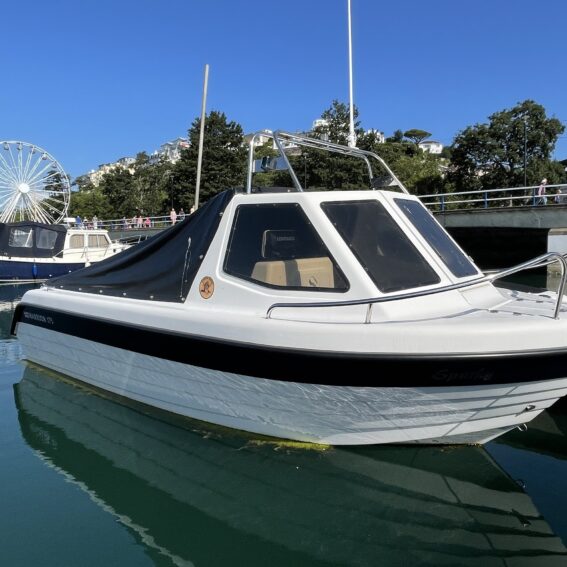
{"type": "Point", "coordinates": [88, 200]}
{"type": "Point", "coordinates": [322, 169]}
{"type": "Point", "coordinates": [492, 155]}
{"type": "Point", "coordinates": [224, 161]}
{"type": "Point", "coordinates": [148, 187]}
{"type": "Point", "coordinates": [336, 125]}
{"type": "Point", "coordinates": [397, 136]}
{"type": "Point", "coordinates": [416, 136]}
{"type": "Point", "coordinates": [420, 172]}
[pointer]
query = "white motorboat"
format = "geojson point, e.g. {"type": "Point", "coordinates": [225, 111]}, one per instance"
{"type": "Point", "coordinates": [34, 251]}
{"type": "Point", "coordinates": [343, 317]}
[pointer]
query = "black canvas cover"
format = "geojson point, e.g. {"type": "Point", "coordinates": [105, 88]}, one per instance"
{"type": "Point", "coordinates": [161, 268]}
{"type": "Point", "coordinates": [29, 239]}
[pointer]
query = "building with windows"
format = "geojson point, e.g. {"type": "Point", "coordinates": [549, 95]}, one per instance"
{"type": "Point", "coordinates": [431, 146]}
{"type": "Point", "coordinates": [171, 151]}
{"type": "Point", "coordinates": [95, 175]}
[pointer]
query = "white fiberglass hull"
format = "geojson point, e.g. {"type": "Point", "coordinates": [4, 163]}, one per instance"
{"type": "Point", "coordinates": [338, 415]}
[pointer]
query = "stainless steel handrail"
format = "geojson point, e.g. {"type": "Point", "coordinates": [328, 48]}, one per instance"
{"type": "Point", "coordinates": [278, 136]}
{"type": "Point", "coordinates": [539, 261]}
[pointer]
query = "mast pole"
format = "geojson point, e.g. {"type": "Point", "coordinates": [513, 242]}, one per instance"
{"type": "Point", "coordinates": [352, 135]}
{"type": "Point", "coordinates": [201, 136]}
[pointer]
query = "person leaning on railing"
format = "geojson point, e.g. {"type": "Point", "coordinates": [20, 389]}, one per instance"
{"type": "Point", "coordinates": [541, 193]}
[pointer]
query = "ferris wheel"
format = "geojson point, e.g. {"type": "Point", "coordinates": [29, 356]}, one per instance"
{"type": "Point", "coordinates": [33, 185]}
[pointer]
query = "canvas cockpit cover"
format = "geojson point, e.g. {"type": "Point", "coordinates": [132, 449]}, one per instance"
{"type": "Point", "coordinates": [161, 268]}
{"type": "Point", "coordinates": [29, 239]}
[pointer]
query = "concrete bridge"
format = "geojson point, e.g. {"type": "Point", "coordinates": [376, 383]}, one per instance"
{"type": "Point", "coordinates": [551, 216]}
{"type": "Point", "coordinates": [502, 227]}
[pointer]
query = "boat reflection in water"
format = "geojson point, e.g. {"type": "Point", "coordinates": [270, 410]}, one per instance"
{"type": "Point", "coordinates": [215, 498]}
{"type": "Point", "coordinates": [10, 296]}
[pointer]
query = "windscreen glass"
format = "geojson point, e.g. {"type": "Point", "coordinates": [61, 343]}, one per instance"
{"type": "Point", "coordinates": [437, 238]}
{"type": "Point", "coordinates": [380, 245]}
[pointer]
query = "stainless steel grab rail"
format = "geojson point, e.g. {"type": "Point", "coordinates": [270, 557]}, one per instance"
{"type": "Point", "coordinates": [279, 137]}
{"type": "Point", "coordinates": [538, 262]}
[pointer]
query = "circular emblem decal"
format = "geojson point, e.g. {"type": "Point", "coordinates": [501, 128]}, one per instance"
{"type": "Point", "coordinates": [207, 287]}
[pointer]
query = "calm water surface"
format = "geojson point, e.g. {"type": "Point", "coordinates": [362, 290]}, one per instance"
{"type": "Point", "coordinates": [87, 482]}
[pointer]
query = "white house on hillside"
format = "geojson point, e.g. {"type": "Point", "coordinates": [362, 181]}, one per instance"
{"type": "Point", "coordinates": [431, 146]}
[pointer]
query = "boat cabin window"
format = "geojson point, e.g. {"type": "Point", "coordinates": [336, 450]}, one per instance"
{"type": "Point", "coordinates": [437, 238]}
{"type": "Point", "coordinates": [46, 239]}
{"type": "Point", "coordinates": [276, 245]}
{"type": "Point", "coordinates": [97, 241]}
{"type": "Point", "coordinates": [385, 252]}
{"type": "Point", "coordinates": [21, 238]}
{"type": "Point", "coordinates": [77, 241]}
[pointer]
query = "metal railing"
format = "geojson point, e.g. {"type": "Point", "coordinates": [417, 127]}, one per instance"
{"type": "Point", "coordinates": [503, 198]}
{"type": "Point", "coordinates": [496, 198]}
{"type": "Point", "coordinates": [538, 262]}
{"type": "Point", "coordinates": [161, 221]}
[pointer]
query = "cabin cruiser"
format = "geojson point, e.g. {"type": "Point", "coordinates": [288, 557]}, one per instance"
{"type": "Point", "coordinates": [32, 251]}
{"type": "Point", "coordinates": [334, 317]}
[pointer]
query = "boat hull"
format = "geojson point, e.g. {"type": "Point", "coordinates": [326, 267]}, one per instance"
{"type": "Point", "coordinates": [312, 412]}
{"type": "Point", "coordinates": [36, 270]}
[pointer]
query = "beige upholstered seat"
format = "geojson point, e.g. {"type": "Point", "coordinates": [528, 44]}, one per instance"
{"type": "Point", "coordinates": [272, 273]}
{"type": "Point", "coordinates": [303, 272]}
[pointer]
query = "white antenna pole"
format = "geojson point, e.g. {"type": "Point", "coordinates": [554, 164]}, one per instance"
{"type": "Point", "coordinates": [351, 136]}
{"type": "Point", "coordinates": [201, 136]}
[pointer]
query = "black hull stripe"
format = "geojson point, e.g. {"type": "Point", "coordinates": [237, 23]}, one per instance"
{"type": "Point", "coordinates": [305, 366]}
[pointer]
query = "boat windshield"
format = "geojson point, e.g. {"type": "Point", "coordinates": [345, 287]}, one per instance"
{"type": "Point", "coordinates": [386, 253]}
{"type": "Point", "coordinates": [437, 238]}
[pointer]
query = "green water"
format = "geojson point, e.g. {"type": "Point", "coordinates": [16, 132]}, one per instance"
{"type": "Point", "coordinates": [87, 482]}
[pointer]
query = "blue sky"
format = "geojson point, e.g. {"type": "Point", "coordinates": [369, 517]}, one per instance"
{"type": "Point", "coordinates": [91, 81]}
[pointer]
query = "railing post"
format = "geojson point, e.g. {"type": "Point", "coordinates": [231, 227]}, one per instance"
{"type": "Point", "coordinates": [485, 195]}
{"type": "Point", "coordinates": [534, 196]}
{"type": "Point", "coordinates": [442, 203]}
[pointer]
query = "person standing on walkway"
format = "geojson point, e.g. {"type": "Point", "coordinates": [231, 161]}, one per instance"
{"type": "Point", "coordinates": [173, 216]}
{"type": "Point", "coordinates": [541, 192]}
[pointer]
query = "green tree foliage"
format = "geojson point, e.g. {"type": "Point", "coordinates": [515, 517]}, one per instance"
{"type": "Point", "coordinates": [89, 201]}
{"type": "Point", "coordinates": [125, 191]}
{"type": "Point", "coordinates": [420, 172]}
{"type": "Point", "coordinates": [224, 161]}
{"type": "Point", "coordinates": [416, 136]}
{"type": "Point", "coordinates": [324, 170]}
{"type": "Point", "coordinates": [492, 155]}
{"type": "Point", "coordinates": [336, 128]}
{"type": "Point", "coordinates": [396, 137]}
{"type": "Point", "coordinates": [148, 192]}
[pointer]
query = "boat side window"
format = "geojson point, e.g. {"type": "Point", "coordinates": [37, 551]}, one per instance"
{"type": "Point", "coordinates": [437, 238]}
{"type": "Point", "coordinates": [97, 241]}
{"type": "Point", "coordinates": [380, 245]}
{"type": "Point", "coordinates": [46, 239]}
{"type": "Point", "coordinates": [21, 238]}
{"type": "Point", "coordinates": [77, 241]}
{"type": "Point", "coordinates": [276, 245]}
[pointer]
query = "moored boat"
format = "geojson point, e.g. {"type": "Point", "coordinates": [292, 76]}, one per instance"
{"type": "Point", "coordinates": [34, 251]}
{"type": "Point", "coordinates": [344, 317]}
